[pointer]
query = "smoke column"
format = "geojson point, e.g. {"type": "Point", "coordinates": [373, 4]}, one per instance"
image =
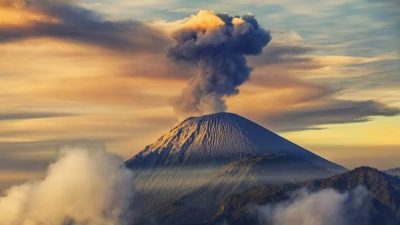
{"type": "Point", "coordinates": [217, 44]}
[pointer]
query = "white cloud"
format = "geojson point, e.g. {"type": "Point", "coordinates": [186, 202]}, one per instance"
{"type": "Point", "coordinates": [326, 207]}
{"type": "Point", "coordinates": [84, 187]}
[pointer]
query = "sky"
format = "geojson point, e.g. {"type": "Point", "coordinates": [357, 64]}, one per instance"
{"type": "Point", "coordinates": [97, 72]}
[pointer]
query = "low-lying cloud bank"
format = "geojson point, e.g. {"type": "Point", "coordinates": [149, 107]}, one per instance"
{"type": "Point", "coordinates": [83, 187]}
{"type": "Point", "coordinates": [326, 207]}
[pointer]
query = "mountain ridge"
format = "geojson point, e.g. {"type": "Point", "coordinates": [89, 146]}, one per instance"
{"type": "Point", "coordinates": [383, 189]}
{"type": "Point", "coordinates": [393, 171]}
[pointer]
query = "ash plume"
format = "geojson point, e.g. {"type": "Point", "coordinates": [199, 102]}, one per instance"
{"type": "Point", "coordinates": [217, 44]}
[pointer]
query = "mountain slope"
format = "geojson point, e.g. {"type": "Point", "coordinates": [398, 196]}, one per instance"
{"type": "Point", "coordinates": [201, 204]}
{"type": "Point", "coordinates": [393, 171]}
{"type": "Point", "coordinates": [218, 139]}
{"type": "Point", "coordinates": [383, 206]}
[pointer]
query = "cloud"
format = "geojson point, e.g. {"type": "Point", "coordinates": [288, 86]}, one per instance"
{"type": "Point", "coordinates": [30, 115]}
{"type": "Point", "coordinates": [287, 49]}
{"type": "Point", "coordinates": [326, 207]}
{"type": "Point", "coordinates": [17, 161]}
{"type": "Point", "coordinates": [217, 44]}
{"type": "Point", "coordinates": [331, 112]}
{"type": "Point", "coordinates": [293, 89]}
{"type": "Point", "coordinates": [83, 187]}
{"type": "Point", "coordinates": [36, 156]}
{"type": "Point", "coordinates": [75, 23]}
{"type": "Point", "coordinates": [284, 54]}
{"type": "Point", "coordinates": [284, 102]}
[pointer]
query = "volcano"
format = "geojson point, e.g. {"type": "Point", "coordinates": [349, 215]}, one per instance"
{"type": "Point", "coordinates": [219, 139]}
{"type": "Point", "coordinates": [184, 174]}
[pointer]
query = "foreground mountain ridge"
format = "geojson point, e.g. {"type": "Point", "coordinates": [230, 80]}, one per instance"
{"type": "Point", "coordinates": [382, 207]}
{"type": "Point", "coordinates": [393, 171]}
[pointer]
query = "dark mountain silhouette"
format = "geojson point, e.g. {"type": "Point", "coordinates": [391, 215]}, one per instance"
{"type": "Point", "coordinates": [393, 171]}
{"type": "Point", "coordinates": [383, 206]}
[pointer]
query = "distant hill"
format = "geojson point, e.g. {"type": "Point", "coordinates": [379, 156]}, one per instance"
{"type": "Point", "coordinates": [383, 207]}
{"type": "Point", "coordinates": [394, 171]}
